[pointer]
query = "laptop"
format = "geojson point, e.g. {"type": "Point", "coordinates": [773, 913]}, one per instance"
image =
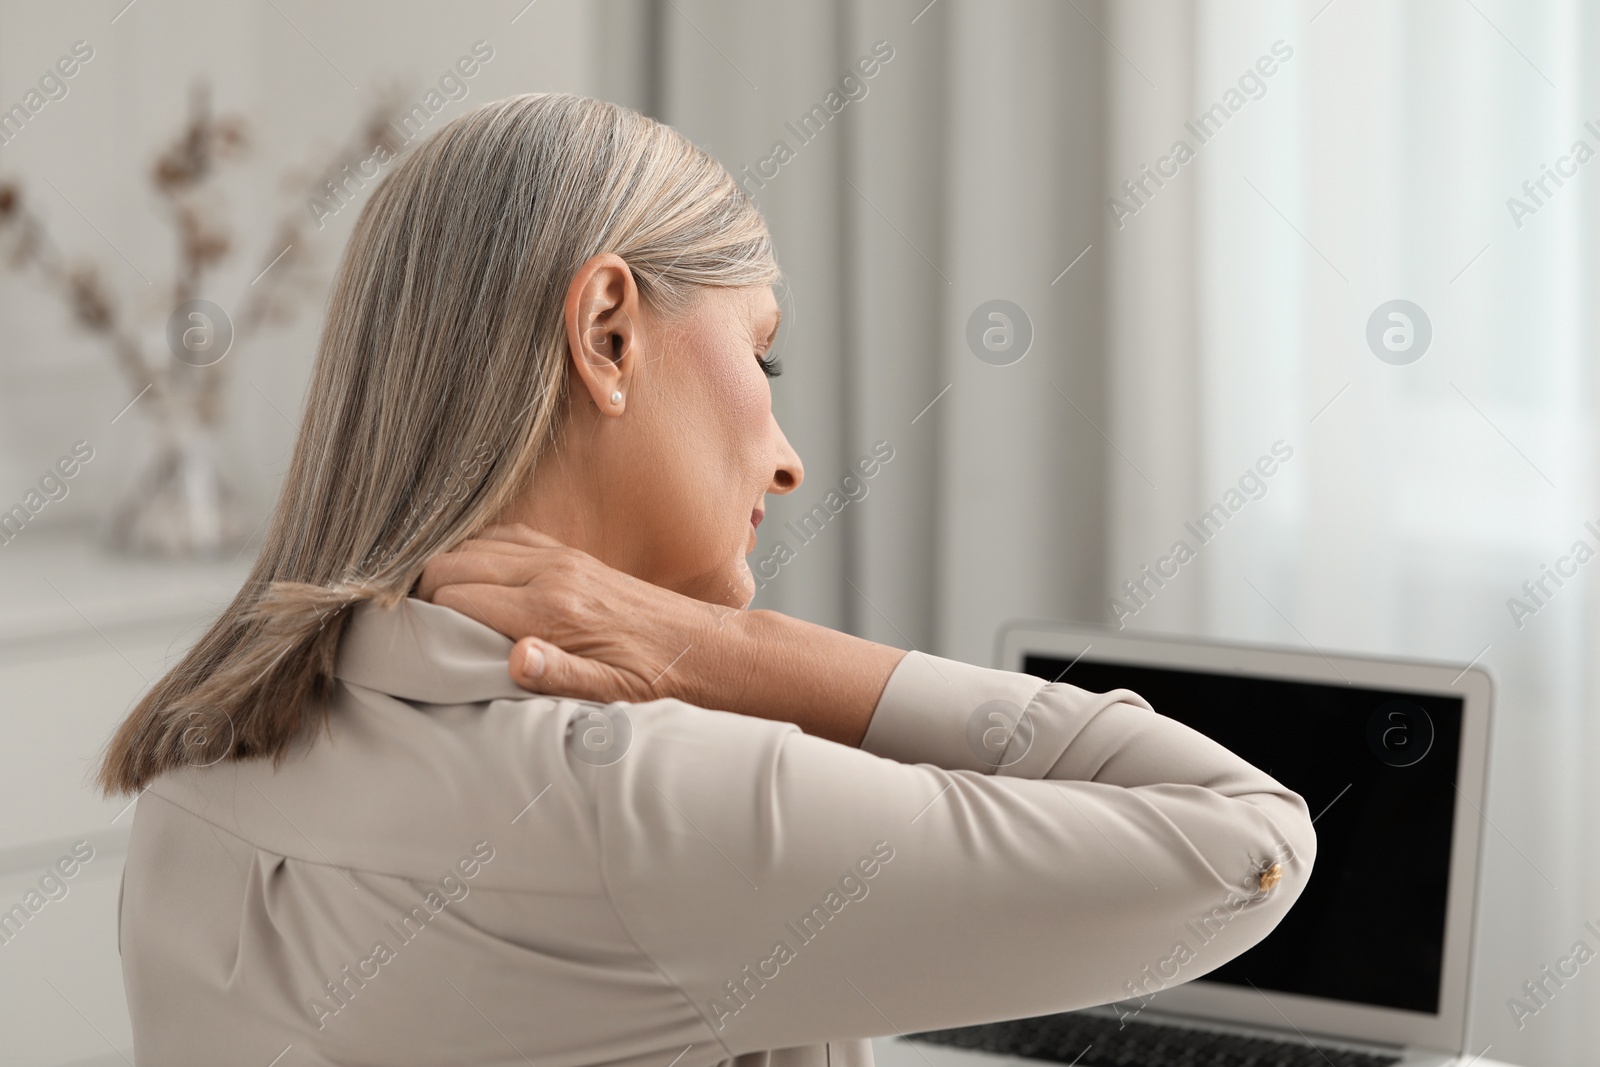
{"type": "Point", "coordinates": [1372, 966]}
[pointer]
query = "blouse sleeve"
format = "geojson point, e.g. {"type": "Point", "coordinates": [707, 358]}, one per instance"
{"type": "Point", "coordinates": [958, 868]}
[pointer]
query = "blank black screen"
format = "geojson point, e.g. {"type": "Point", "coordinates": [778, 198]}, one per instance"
{"type": "Point", "coordinates": [1369, 927]}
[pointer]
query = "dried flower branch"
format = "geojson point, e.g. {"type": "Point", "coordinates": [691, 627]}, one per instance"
{"type": "Point", "coordinates": [184, 176]}
{"type": "Point", "coordinates": [79, 285]}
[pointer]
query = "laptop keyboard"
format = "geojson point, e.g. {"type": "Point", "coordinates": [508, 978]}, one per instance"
{"type": "Point", "coordinates": [1085, 1040]}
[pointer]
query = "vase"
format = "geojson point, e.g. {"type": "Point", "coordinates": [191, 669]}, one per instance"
{"type": "Point", "coordinates": [184, 505]}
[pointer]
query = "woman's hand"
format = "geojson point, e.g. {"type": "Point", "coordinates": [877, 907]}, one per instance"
{"type": "Point", "coordinates": [582, 629]}
{"type": "Point", "coordinates": [586, 630]}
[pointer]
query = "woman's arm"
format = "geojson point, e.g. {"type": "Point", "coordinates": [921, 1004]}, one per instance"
{"type": "Point", "coordinates": [824, 681]}
{"type": "Point", "coordinates": [599, 634]}
{"type": "Point", "coordinates": [797, 891]}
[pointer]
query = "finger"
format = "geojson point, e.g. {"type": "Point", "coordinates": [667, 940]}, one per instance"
{"type": "Point", "coordinates": [486, 552]}
{"type": "Point", "coordinates": [496, 606]}
{"type": "Point", "coordinates": [503, 547]}
{"type": "Point", "coordinates": [474, 567]}
{"type": "Point", "coordinates": [518, 533]}
{"type": "Point", "coordinates": [540, 667]}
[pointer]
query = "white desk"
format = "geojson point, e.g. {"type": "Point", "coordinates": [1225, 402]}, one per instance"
{"type": "Point", "coordinates": [81, 636]}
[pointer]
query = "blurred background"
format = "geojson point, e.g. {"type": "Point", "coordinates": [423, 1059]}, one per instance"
{"type": "Point", "coordinates": [1075, 265]}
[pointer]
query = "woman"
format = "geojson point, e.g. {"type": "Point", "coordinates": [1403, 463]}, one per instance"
{"type": "Point", "coordinates": [540, 414]}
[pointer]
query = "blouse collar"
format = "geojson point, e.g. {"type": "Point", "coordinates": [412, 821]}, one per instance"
{"type": "Point", "coordinates": [421, 651]}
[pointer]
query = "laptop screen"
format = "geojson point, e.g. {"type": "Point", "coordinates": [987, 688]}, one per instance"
{"type": "Point", "coordinates": [1378, 771]}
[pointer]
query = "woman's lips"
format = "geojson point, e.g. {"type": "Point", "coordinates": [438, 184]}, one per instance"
{"type": "Point", "coordinates": [755, 518]}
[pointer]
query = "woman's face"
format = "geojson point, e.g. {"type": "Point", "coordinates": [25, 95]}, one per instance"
{"type": "Point", "coordinates": [697, 447]}
{"type": "Point", "coordinates": [666, 485]}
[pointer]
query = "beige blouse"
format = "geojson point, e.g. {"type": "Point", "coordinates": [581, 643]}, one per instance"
{"type": "Point", "coordinates": [461, 872]}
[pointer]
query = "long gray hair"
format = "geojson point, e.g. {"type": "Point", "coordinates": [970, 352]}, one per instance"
{"type": "Point", "coordinates": [439, 386]}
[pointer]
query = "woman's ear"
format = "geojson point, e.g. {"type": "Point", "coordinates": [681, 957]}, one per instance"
{"type": "Point", "coordinates": [601, 315]}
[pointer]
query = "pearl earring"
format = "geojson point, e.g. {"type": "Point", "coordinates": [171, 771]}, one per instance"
{"type": "Point", "coordinates": [616, 397]}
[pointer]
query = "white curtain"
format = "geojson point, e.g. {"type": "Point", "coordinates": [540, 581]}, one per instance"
{"type": "Point", "coordinates": [965, 173]}
{"type": "Point", "coordinates": [1377, 164]}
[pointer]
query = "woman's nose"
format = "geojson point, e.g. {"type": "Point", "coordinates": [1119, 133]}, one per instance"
{"type": "Point", "coordinates": [790, 472]}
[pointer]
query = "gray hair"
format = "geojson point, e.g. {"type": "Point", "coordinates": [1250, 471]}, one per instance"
{"type": "Point", "coordinates": [440, 384]}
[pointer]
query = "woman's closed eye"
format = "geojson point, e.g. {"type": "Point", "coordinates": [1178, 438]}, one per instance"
{"type": "Point", "coordinates": [772, 366]}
